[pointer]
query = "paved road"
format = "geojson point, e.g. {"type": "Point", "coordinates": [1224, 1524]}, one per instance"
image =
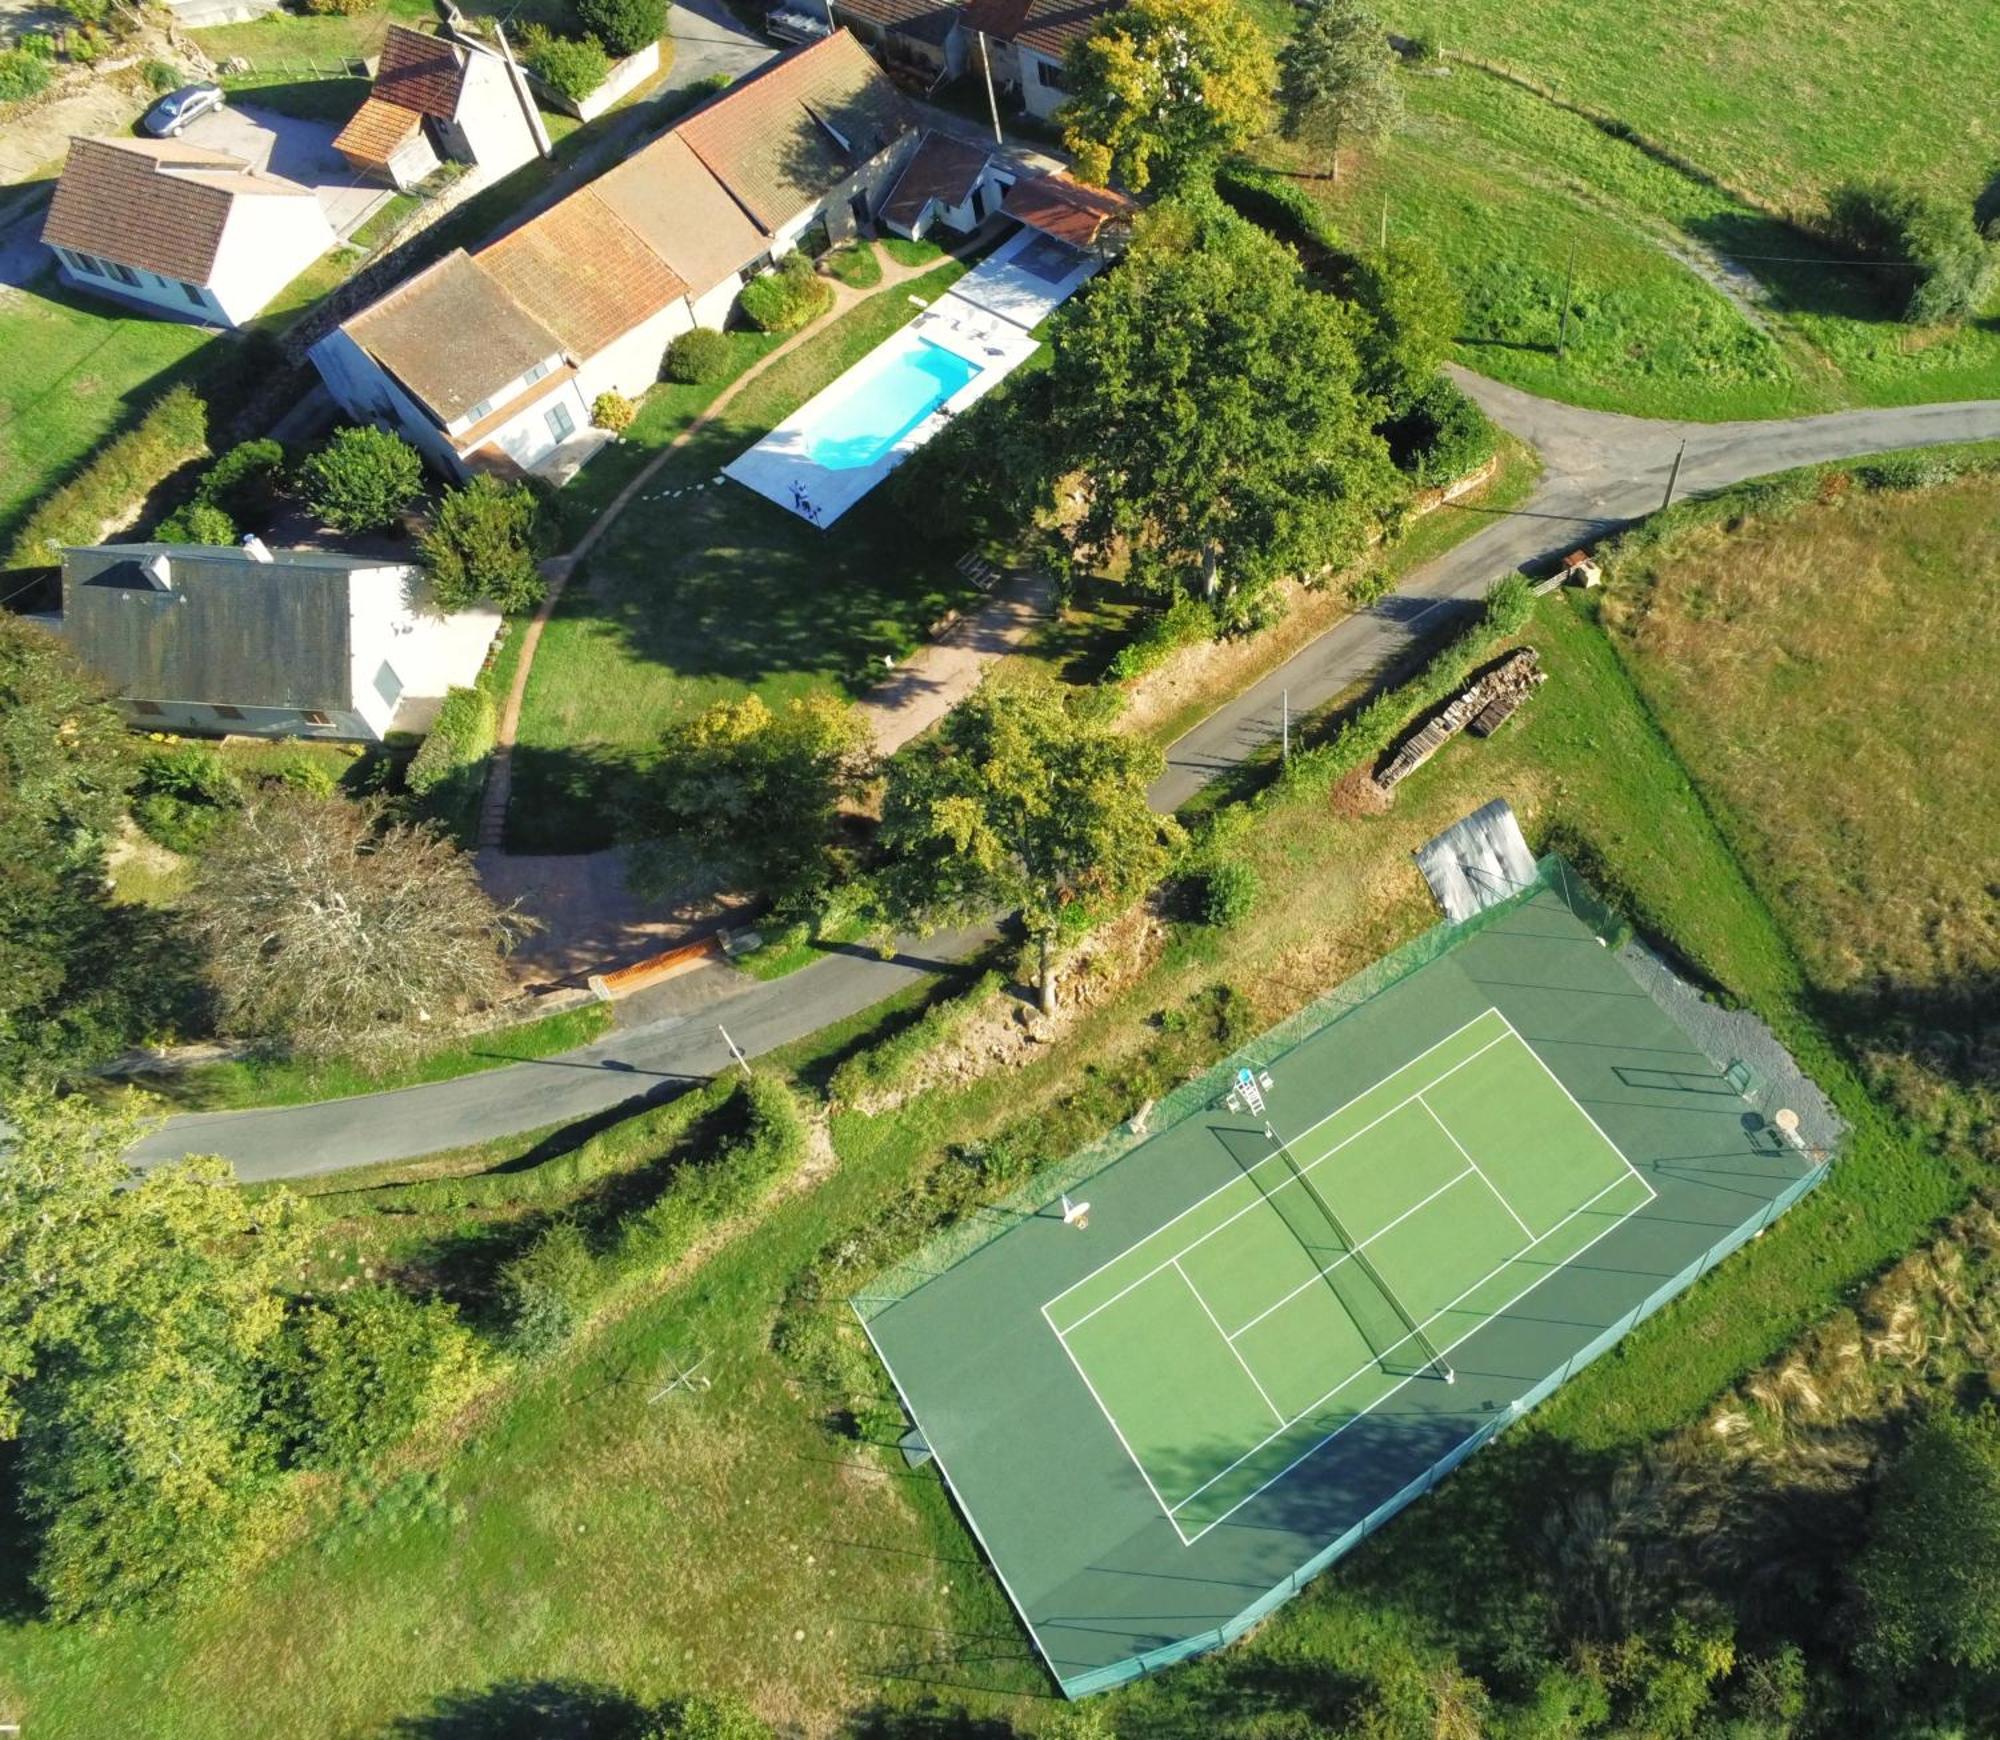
{"type": "Point", "coordinates": [1600, 471]}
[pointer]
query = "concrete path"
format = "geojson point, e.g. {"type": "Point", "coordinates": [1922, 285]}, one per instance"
{"type": "Point", "coordinates": [936, 677]}
{"type": "Point", "coordinates": [1601, 471]}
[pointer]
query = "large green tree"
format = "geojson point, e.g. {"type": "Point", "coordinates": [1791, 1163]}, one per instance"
{"type": "Point", "coordinates": [78, 975]}
{"type": "Point", "coordinates": [1414, 313]}
{"type": "Point", "coordinates": [1337, 79]}
{"type": "Point", "coordinates": [746, 797]}
{"type": "Point", "coordinates": [1025, 798]}
{"type": "Point", "coordinates": [1208, 400]}
{"type": "Point", "coordinates": [1928, 1582]}
{"type": "Point", "coordinates": [1161, 89]}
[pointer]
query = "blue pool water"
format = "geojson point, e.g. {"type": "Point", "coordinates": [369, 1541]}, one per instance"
{"type": "Point", "coordinates": [888, 405]}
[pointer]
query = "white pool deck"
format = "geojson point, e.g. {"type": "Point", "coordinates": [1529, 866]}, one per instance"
{"type": "Point", "coordinates": [986, 318]}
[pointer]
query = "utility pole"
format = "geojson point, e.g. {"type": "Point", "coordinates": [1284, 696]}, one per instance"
{"type": "Point", "coordinates": [1285, 728]}
{"type": "Point", "coordinates": [1674, 477]}
{"type": "Point", "coordinates": [1569, 281]}
{"type": "Point", "coordinates": [992, 102]}
{"type": "Point", "coordinates": [735, 1051]}
{"type": "Point", "coordinates": [1382, 244]}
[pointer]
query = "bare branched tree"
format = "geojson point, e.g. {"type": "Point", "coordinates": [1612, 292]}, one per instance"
{"type": "Point", "coordinates": [329, 927]}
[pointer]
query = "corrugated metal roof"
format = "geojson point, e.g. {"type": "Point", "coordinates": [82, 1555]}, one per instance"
{"type": "Point", "coordinates": [228, 631]}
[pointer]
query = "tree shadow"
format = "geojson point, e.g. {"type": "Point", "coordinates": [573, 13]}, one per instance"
{"type": "Point", "coordinates": [1800, 271]}
{"type": "Point", "coordinates": [529, 1710]}
{"type": "Point", "coordinates": [928, 1719]}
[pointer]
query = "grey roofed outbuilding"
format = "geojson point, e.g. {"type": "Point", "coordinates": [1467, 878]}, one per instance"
{"type": "Point", "coordinates": [226, 629]}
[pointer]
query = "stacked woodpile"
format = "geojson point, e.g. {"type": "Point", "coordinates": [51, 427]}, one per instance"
{"type": "Point", "coordinates": [1483, 705]}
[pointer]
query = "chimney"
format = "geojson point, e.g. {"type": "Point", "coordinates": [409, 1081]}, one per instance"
{"type": "Point", "coordinates": [160, 572]}
{"type": "Point", "coordinates": [253, 547]}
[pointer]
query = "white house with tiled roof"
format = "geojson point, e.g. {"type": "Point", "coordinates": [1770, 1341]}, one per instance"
{"type": "Point", "coordinates": [185, 230]}
{"type": "Point", "coordinates": [494, 359]}
{"type": "Point", "coordinates": [442, 95]}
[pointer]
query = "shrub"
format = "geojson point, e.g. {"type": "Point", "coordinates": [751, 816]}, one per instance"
{"type": "Point", "coordinates": [1941, 266]}
{"type": "Point", "coordinates": [1423, 51]}
{"type": "Point", "coordinates": [613, 411]}
{"type": "Point", "coordinates": [361, 478]}
{"type": "Point", "coordinates": [481, 545]}
{"type": "Point", "coordinates": [623, 26]}
{"type": "Point", "coordinates": [363, 1371]}
{"type": "Point", "coordinates": [705, 1716]}
{"type": "Point", "coordinates": [309, 774]}
{"type": "Point", "coordinates": [22, 75]}
{"type": "Point", "coordinates": [38, 43]}
{"type": "Point", "coordinates": [1188, 621]}
{"type": "Point", "coordinates": [890, 1062]}
{"type": "Point", "coordinates": [785, 299]}
{"type": "Point", "coordinates": [1442, 437]}
{"type": "Point", "coordinates": [449, 766]}
{"type": "Point", "coordinates": [698, 357]}
{"type": "Point", "coordinates": [173, 431]}
{"type": "Point", "coordinates": [341, 8]}
{"type": "Point", "coordinates": [183, 795]}
{"type": "Point", "coordinates": [570, 66]}
{"type": "Point", "coordinates": [1901, 471]}
{"type": "Point", "coordinates": [196, 522]}
{"type": "Point", "coordinates": [1276, 203]}
{"type": "Point", "coordinates": [244, 482]}
{"type": "Point", "coordinates": [160, 75]}
{"type": "Point", "coordinates": [1225, 891]}
{"type": "Point", "coordinates": [547, 1290]}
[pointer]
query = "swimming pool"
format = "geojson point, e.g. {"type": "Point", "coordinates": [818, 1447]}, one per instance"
{"type": "Point", "coordinates": [886, 404]}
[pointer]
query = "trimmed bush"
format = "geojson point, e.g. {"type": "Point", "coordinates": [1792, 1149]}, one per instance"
{"type": "Point", "coordinates": [481, 545]}
{"type": "Point", "coordinates": [1225, 891]}
{"type": "Point", "coordinates": [22, 75]}
{"type": "Point", "coordinates": [623, 26]}
{"type": "Point", "coordinates": [449, 770]}
{"type": "Point", "coordinates": [548, 1289]}
{"type": "Point", "coordinates": [570, 66]}
{"type": "Point", "coordinates": [198, 522]}
{"type": "Point", "coordinates": [883, 1066]}
{"type": "Point", "coordinates": [1442, 437]}
{"type": "Point", "coordinates": [1187, 621]}
{"type": "Point", "coordinates": [613, 411]}
{"type": "Point", "coordinates": [697, 357]}
{"type": "Point", "coordinates": [244, 482]}
{"type": "Point", "coordinates": [787, 298]}
{"type": "Point", "coordinates": [361, 478]}
{"type": "Point", "coordinates": [364, 1370]}
{"type": "Point", "coordinates": [123, 473]}
{"type": "Point", "coordinates": [183, 795]}
{"type": "Point", "coordinates": [1941, 266]}
{"type": "Point", "coordinates": [160, 75]}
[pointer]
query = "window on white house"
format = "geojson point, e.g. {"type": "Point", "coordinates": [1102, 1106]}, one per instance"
{"type": "Point", "coordinates": [82, 262]}
{"type": "Point", "coordinates": [561, 424]}
{"type": "Point", "coordinates": [193, 293]}
{"type": "Point", "coordinates": [1049, 75]}
{"type": "Point", "coordinates": [124, 274]}
{"type": "Point", "coordinates": [388, 685]}
{"type": "Point", "coordinates": [483, 408]}
{"type": "Point", "coordinates": [534, 374]}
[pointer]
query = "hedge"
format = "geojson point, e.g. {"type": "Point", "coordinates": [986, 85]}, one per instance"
{"type": "Point", "coordinates": [1941, 268]}
{"type": "Point", "coordinates": [1188, 621]}
{"type": "Point", "coordinates": [449, 770]}
{"type": "Point", "coordinates": [786, 299]}
{"type": "Point", "coordinates": [884, 1066]}
{"type": "Point", "coordinates": [124, 472]}
{"type": "Point", "coordinates": [1442, 437]}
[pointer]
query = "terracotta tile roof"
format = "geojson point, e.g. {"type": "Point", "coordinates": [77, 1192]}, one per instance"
{"type": "Point", "coordinates": [583, 272]}
{"type": "Point", "coordinates": [682, 213]}
{"type": "Point", "coordinates": [787, 134]}
{"type": "Point", "coordinates": [930, 21]}
{"type": "Point", "coordinates": [1047, 26]}
{"type": "Point", "coordinates": [159, 204]}
{"type": "Point", "coordinates": [942, 169]}
{"type": "Point", "coordinates": [453, 336]}
{"type": "Point", "coordinates": [420, 72]}
{"type": "Point", "coordinates": [1066, 209]}
{"type": "Point", "coordinates": [376, 131]}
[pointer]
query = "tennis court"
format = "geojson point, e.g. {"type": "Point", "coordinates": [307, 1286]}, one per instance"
{"type": "Point", "coordinates": [1340, 1263]}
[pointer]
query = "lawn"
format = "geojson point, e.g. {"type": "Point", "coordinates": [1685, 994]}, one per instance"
{"type": "Point", "coordinates": [1516, 194]}
{"type": "Point", "coordinates": [713, 592]}
{"type": "Point", "coordinates": [579, 1532]}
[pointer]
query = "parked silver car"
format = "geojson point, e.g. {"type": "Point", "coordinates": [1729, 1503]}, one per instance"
{"type": "Point", "coordinates": [174, 111]}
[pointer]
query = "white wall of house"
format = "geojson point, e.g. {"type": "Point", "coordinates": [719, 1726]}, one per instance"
{"type": "Point", "coordinates": [168, 295]}
{"type": "Point", "coordinates": [412, 160]}
{"type": "Point", "coordinates": [631, 364]}
{"type": "Point", "coordinates": [874, 179]}
{"type": "Point", "coordinates": [1042, 91]}
{"type": "Point", "coordinates": [539, 430]}
{"type": "Point", "coordinates": [457, 427]}
{"type": "Point", "coordinates": [391, 628]}
{"type": "Point", "coordinates": [267, 242]}
{"type": "Point", "coordinates": [367, 393]}
{"type": "Point", "coordinates": [711, 308]}
{"type": "Point", "coordinates": [491, 126]}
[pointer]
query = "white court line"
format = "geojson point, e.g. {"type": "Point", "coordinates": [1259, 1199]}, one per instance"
{"type": "Point", "coordinates": [1447, 1349]}
{"type": "Point", "coordinates": [1276, 1412]}
{"type": "Point", "coordinates": [1232, 1183]}
{"type": "Point", "coordinates": [1474, 1164]}
{"type": "Point", "coordinates": [1263, 1197]}
{"type": "Point", "coordinates": [1112, 1421]}
{"type": "Point", "coordinates": [1455, 1178]}
{"type": "Point", "coordinates": [1652, 1195]}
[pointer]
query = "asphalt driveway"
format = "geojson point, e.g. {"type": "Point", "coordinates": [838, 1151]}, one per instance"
{"type": "Point", "coordinates": [297, 149]}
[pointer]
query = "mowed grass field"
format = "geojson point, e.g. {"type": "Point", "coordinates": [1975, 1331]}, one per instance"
{"type": "Point", "coordinates": [573, 1530]}
{"type": "Point", "coordinates": [1826, 674]}
{"type": "Point", "coordinates": [1782, 97]}
{"type": "Point", "coordinates": [705, 591]}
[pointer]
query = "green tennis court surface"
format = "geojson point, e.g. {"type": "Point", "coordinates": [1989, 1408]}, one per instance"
{"type": "Point", "coordinates": [1248, 1330]}
{"type": "Point", "coordinates": [1489, 1156]}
